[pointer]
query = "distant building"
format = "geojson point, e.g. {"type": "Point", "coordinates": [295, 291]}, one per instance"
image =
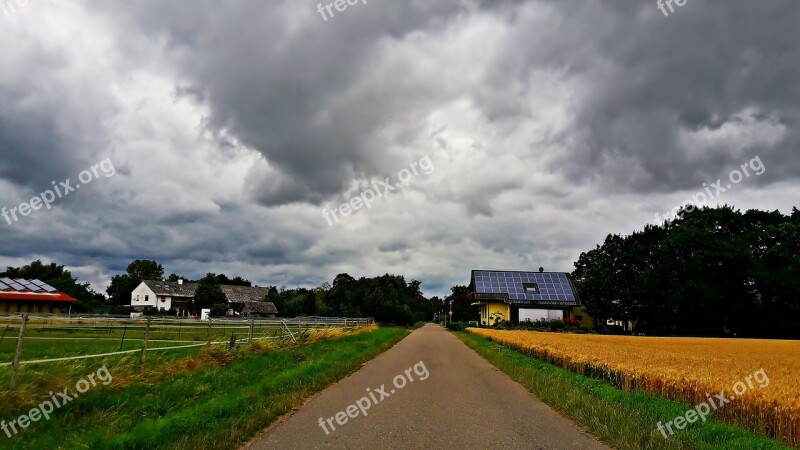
{"type": "Point", "coordinates": [166, 295]}
{"type": "Point", "coordinates": [32, 296]}
{"type": "Point", "coordinates": [518, 296]}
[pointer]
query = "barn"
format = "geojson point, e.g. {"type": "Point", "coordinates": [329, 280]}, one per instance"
{"type": "Point", "coordinates": [32, 296]}
{"type": "Point", "coordinates": [517, 296]}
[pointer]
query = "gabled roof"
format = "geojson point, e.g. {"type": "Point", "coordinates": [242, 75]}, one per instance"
{"type": "Point", "coordinates": [259, 308]}
{"type": "Point", "coordinates": [554, 288]}
{"type": "Point", "coordinates": [31, 290]}
{"type": "Point", "coordinates": [234, 294]}
{"type": "Point", "coordinates": [171, 288]}
{"type": "Point", "coordinates": [243, 294]}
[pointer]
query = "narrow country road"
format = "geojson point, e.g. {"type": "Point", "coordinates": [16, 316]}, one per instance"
{"type": "Point", "coordinates": [464, 403]}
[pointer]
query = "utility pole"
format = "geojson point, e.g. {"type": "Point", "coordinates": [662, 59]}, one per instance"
{"type": "Point", "coordinates": [451, 310]}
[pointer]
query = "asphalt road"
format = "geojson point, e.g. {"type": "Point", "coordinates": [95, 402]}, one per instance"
{"type": "Point", "coordinates": [456, 400]}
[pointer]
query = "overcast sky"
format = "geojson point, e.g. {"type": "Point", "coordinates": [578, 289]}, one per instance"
{"type": "Point", "coordinates": [232, 124]}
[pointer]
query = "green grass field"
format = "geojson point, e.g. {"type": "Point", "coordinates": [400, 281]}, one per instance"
{"type": "Point", "coordinates": [216, 399]}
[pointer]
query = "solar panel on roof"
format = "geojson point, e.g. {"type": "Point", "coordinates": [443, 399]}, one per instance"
{"type": "Point", "coordinates": [4, 287]}
{"type": "Point", "coordinates": [16, 286]}
{"type": "Point", "coordinates": [37, 282]}
{"type": "Point", "coordinates": [48, 288]}
{"type": "Point", "coordinates": [552, 286]}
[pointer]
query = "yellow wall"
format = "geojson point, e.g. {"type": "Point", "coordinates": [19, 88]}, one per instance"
{"type": "Point", "coordinates": [489, 308]}
{"type": "Point", "coordinates": [586, 319]}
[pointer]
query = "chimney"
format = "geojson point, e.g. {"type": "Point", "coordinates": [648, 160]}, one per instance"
{"type": "Point", "coordinates": [180, 280]}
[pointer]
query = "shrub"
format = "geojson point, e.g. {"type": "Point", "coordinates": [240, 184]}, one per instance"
{"type": "Point", "coordinates": [456, 326]}
{"type": "Point", "coordinates": [557, 325]}
{"type": "Point", "coordinates": [219, 309]}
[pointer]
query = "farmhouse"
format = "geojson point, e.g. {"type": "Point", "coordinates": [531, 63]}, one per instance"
{"type": "Point", "coordinates": [34, 296]}
{"type": "Point", "coordinates": [518, 296]}
{"type": "Point", "coordinates": [166, 295]}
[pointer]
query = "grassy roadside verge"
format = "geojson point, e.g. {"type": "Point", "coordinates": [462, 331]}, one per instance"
{"type": "Point", "coordinates": [624, 419]}
{"type": "Point", "coordinates": [217, 406]}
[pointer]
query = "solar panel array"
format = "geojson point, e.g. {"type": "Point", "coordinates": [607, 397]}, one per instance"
{"type": "Point", "coordinates": [552, 286]}
{"type": "Point", "coordinates": [20, 285]}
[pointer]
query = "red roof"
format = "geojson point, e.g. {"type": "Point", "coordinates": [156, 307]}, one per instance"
{"type": "Point", "coordinates": [54, 297]}
{"type": "Point", "coordinates": [35, 291]}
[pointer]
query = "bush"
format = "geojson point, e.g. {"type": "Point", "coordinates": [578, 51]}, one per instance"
{"type": "Point", "coordinates": [219, 309]}
{"type": "Point", "coordinates": [456, 326]}
{"type": "Point", "coordinates": [557, 325]}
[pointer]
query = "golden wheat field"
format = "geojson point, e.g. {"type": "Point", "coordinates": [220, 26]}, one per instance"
{"type": "Point", "coordinates": [683, 368]}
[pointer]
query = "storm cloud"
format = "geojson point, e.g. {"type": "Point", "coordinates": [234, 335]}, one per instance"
{"type": "Point", "coordinates": [233, 124]}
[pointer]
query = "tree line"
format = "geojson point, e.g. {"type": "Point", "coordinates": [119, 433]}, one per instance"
{"type": "Point", "coordinates": [710, 272]}
{"type": "Point", "coordinates": [387, 298]}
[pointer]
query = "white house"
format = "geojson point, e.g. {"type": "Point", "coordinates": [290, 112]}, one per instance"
{"type": "Point", "coordinates": [178, 295]}
{"type": "Point", "coordinates": [164, 295]}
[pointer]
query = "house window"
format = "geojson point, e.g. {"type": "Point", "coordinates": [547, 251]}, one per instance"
{"type": "Point", "coordinates": [531, 288]}
{"type": "Point", "coordinates": [147, 298]}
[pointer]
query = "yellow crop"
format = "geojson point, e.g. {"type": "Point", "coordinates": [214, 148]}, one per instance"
{"type": "Point", "coordinates": [688, 369]}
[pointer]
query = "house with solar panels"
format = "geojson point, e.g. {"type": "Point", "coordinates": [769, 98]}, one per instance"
{"type": "Point", "coordinates": [32, 296]}
{"type": "Point", "coordinates": [518, 296]}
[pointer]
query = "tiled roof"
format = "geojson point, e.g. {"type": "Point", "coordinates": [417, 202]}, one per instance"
{"type": "Point", "coordinates": [260, 308]}
{"type": "Point", "coordinates": [243, 294]}
{"type": "Point", "coordinates": [171, 288]}
{"type": "Point", "coordinates": [234, 294]}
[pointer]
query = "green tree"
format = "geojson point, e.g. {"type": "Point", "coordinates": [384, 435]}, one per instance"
{"type": "Point", "coordinates": [208, 293]}
{"type": "Point", "coordinates": [121, 286]}
{"type": "Point", "coordinates": [219, 309]}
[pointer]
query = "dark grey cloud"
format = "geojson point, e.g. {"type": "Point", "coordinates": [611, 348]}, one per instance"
{"type": "Point", "coordinates": [231, 124]}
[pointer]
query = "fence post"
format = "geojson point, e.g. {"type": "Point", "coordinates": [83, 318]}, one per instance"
{"type": "Point", "coordinates": [233, 342]}
{"type": "Point", "coordinates": [4, 333]}
{"type": "Point", "coordinates": [252, 323]}
{"type": "Point", "coordinates": [208, 332]}
{"type": "Point", "coordinates": [20, 338]}
{"type": "Point", "coordinates": [124, 331]}
{"type": "Point", "coordinates": [144, 345]}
